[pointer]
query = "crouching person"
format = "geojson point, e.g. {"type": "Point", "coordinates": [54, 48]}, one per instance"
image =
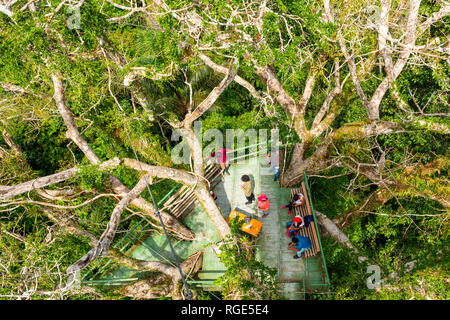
{"type": "Point", "coordinates": [297, 201]}
{"type": "Point", "coordinates": [293, 226]}
{"type": "Point", "coordinates": [300, 244]}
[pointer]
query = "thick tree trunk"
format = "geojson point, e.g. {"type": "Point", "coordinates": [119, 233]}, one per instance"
{"type": "Point", "coordinates": [294, 174]}
{"type": "Point", "coordinates": [195, 148]}
{"type": "Point", "coordinates": [213, 212]}
{"type": "Point", "coordinates": [55, 194]}
{"type": "Point", "coordinates": [7, 192]}
{"type": "Point", "coordinates": [210, 99]}
{"type": "Point", "coordinates": [295, 165]}
{"type": "Point", "coordinates": [268, 77]}
{"type": "Point", "coordinates": [334, 231]}
{"type": "Point", "coordinates": [201, 190]}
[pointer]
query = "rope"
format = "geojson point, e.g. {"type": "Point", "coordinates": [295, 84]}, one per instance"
{"type": "Point", "coordinates": [188, 292]}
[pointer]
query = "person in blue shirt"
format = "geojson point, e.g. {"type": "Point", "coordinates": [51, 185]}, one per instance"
{"type": "Point", "coordinates": [300, 244]}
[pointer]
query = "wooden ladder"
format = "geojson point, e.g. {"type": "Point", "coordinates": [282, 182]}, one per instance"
{"type": "Point", "coordinates": [181, 202]}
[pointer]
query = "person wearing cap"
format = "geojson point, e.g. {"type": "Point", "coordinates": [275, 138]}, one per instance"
{"type": "Point", "coordinates": [263, 205]}
{"type": "Point", "coordinates": [300, 244]}
{"type": "Point", "coordinates": [293, 226]}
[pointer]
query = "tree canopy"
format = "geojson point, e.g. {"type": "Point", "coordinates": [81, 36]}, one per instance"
{"type": "Point", "coordinates": [91, 92]}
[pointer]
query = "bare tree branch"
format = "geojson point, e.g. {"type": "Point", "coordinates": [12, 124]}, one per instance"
{"type": "Point", "coordinates": [117, 185]}
{"type": "Point", "coordinates": [105, 240]}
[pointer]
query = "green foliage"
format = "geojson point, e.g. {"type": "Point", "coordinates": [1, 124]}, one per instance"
{"type": "Point", "coordinates": [245, 277]}
{"type": "Point", "coordinates": [391, 240]}
{"type": "Point", "coordinates": [158, 50]}
{"type": "Point", "coordinates": [92, 179]}
{"type": "Point", "coordinates": [218, 121]}
{"type": "Point", "coordinates": [34, 262]}
{"type": "Point", "coordinates": [296, 38]}
{"type": "Point", "coordinates": [332, 198]}
{"type": "Point", "coordinates": [203, 295]}
{"type": "Point", "coordinates": [45, 147]}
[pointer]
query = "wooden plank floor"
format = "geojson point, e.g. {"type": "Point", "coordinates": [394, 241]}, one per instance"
{"type": "Point", "coordinates": [272, 243]}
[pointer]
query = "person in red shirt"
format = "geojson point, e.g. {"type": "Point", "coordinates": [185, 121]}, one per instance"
{"type": "Point", "coordinates": [221, 156]}
{"type": "Point", "coordinates": [293, 226]}
{"type": "Point", "coordinates": [263, 205]}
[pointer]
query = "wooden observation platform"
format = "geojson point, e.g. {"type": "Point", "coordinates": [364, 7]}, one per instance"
{"type": "Point", "coordinates": [296, 277]}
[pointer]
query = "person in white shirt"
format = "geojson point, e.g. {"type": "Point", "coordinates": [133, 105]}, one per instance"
{"type": "Point", "coordinates": [298, 200]}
